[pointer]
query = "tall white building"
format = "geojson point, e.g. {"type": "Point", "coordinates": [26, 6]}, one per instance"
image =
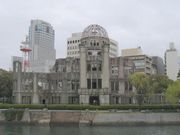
{"type": "Point", "coordinates": [74, 41]}
{"type": "Point", "coordinates": [41, 41]}
{"type": "Point", "coordinates": [171, 62]}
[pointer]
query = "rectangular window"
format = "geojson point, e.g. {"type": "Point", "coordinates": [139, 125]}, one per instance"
{"type": "Point", "coordinates": [88, 67]}
{"type": "Point", "coordinates": [126, 85]}
{"type": "Point", "coordinates": [117, 86]}
{"type": "Point", "coordinates": [100, 67]}
{"type": "Point", "coordinates": [94, 84]}
{"type": "Point", "coordinates": [89, 83]}
{"type": "Point", "coordinates": [130, 87]}
{"type": "Point", "coordinates": [99, 83]}
{"type": "Point", "coordinates": [36, 28]}
{"type": "Point", "coordinates": [94, 68]}
{"type": "Point", "coordinates": [72, 86]}
{"type": "Point", "coordinates": [112, 85]}
{"type": "Point", "coordinates": [47, 29]}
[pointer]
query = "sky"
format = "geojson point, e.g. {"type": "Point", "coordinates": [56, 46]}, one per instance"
{"type": "Point", "coordinates": [151, 24]}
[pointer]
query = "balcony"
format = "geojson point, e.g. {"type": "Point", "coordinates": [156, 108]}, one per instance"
{"type": "Point", "coordinates": [84, 91]}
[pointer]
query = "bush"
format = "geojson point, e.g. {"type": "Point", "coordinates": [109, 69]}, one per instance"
{"type": "Point", "coordinates": [92, 107]}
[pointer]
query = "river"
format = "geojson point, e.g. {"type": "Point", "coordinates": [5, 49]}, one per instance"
{"type": "Point", "coordinates": [7, 129]}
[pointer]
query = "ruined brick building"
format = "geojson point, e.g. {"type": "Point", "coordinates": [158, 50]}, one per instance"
{"type": "Point", "coordinates": [94, 78]}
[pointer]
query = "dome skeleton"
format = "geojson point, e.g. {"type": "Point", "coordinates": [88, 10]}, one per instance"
{"type": "Point", "coordinates": [94, 30]}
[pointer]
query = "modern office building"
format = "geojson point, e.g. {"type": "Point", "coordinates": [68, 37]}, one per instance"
{"type": "Point", "coordinates": [41, 42]}
{"type": "Point", "coordinates": [93, 78]}
{"type": "Point", "coordinates": [73, 43]}
{"type": "Point", "coordinates": [171, 62]}
{"type": "Point", "coordinates": [158, 65]}
{"type": "Point", "coordinates": [143, 63]}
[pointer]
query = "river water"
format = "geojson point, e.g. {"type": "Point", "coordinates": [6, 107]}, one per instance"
{"type": "Point", "coordinates": [119, 130]}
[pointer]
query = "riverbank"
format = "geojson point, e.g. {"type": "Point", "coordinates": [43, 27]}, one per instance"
{"type": "Point", "coordinates": [88, 118]}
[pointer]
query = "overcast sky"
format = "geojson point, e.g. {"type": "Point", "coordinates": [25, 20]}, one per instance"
{"type": "Point", "coordinates": [151, 24]}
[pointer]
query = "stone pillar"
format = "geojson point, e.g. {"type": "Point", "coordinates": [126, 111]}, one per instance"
{"type": "Point", "coordinates": [105, 73]}
{"type": "Point", "coordinates": [104, 99]}
{"type": "Point", "coordinates": [121, 87]}
{"type": "Point", "coordinates": [64, 98]}
{"type": "Point", "coordinates": [35, 93]}
{"type": "Point", "coordinates": [17, 67]}
{"type": "Point", "coordinates": [84, 99]}
{"type": "Point", "coordinates": [83, 79]}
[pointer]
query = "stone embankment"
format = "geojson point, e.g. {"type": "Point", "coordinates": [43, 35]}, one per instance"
{"type": "Point", "coordinates": [91, 118]}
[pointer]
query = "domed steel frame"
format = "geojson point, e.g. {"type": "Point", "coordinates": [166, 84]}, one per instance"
{"type": "Point", "coordinates": [94, 30]}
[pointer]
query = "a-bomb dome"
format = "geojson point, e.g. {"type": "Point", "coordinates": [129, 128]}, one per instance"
{"type": "Point", "coordinates": [94, 30]}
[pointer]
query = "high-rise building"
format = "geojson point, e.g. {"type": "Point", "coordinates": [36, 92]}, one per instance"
{"type": "Point", "coordinates": [74, 41]}
{"type": "Point", "coordinates": [41, 42]}
{"type": "Point", "coordinates": [171, 62]}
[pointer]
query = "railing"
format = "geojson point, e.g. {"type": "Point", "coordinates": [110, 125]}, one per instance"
{"type": "Point", "coordinates": [93, 91]}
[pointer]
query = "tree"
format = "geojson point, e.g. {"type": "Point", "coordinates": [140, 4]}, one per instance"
{"type": "Point", "coordinates": [141, 82]}
{"type": "Point", "coordinates": [173, 92]}
{"type": "Point", "coordinates": [148, 85]}
{"type": "Point", "coordinates": [6, 83]}
{"type": "Point", "coordinates": [159, 83]}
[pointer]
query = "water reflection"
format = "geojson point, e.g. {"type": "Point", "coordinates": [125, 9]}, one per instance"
{"type": "Point", "coordinates": [120, 130]}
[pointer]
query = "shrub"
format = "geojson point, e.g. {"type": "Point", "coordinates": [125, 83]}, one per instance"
{"type": "Point", "coordinates": [91, 107]}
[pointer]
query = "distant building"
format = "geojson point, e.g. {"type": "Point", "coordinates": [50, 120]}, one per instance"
{"type": "Point", "coordinates": [41, 42]}
{"type": "Point", "coordinates": [171, 62]}
{"type": "Point", "coordinates": [73, 43]}
{"type": "Point", "coordinates": [93, 78]}
{"type": "Point", "coordinates": [143, 63]}
{"type": "Point", "coordinates": [131, 52]}
{"type": "Point", "coordinates": [16, 58]}
{"type": "Point", "coordinates": [158, 65]}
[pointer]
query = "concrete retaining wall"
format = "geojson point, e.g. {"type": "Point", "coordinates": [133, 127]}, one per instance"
{"type": "Point", "coordinates": [86, 118]}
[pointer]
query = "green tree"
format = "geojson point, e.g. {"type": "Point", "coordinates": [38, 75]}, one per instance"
{"type": "Point", "coordinates": [6, 83]}
{"type": "Point", "coordinates": [173, 92]}
{"type": "Point", "coordinates": [141, 82]}
{"type": "Point", "coordinates": [159, 83]}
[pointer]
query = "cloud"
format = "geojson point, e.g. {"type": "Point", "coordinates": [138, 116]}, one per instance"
{"type": "Point", "coordinates": [150, 24]}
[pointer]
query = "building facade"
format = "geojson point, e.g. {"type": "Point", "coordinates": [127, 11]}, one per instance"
{"type": "Point", "coordinates": [158, 65]}
{"type": "Point", "coordinates": [73, 43]}
{"type": "Point", "coordinates": [41, 42]}
{"type": "Point", "coordinates": [16, 58]}
{"type": "Point", "coordinates": [93, 78]}
{"type": "Point", "coordinates": [171, 62]}
{"type": "Point", "coordinates": [143, 63]}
